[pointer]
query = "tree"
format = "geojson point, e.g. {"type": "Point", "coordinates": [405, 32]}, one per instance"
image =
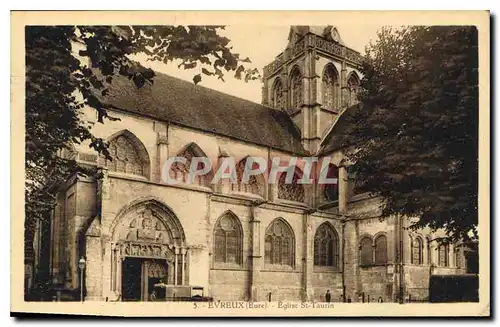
{"type": "Point", "coordinates": [414, 138]}
{"type": "Point", "coordinates": [60, 81]}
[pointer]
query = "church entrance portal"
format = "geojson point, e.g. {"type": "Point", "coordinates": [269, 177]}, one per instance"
{"type": "Point", "coordinates": [148, 248]}
{"type": "Point", "coordinates": [139, 277]}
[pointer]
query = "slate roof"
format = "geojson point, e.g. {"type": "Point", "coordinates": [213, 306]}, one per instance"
{"type": "Point", "coordinates": [341, 127]}
{"type": "Point", "coordinates": [184, 103]}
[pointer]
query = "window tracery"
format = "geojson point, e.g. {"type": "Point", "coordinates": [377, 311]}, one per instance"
{"type": "Point", "coordinates": [353, 88]}
{"type": "Point", "coordinates": [296, 87]}
{"type": "Point", "coordinates": [180, 171]}
{"type": "Point", "coordinates": [416, 251]}
{"type": "Point", "coordinates": [126, 158]}
{"type": "Point", "coordinates": [330, 86]}
{"type": "Point", "coordinates": [293, 191]}
{"type": "Point", "coordinates": [326, 246]}
{"type": "Point", "coordinates": [279, 243]}
{"type": "Point", "coordinates": [429, 252]}
{"type": "Point", "coordinates": [278, 98]}
{"type": "Point", "coordinates": [252, 186]}
{"type": "Point", "coordinates": [443, 253]}
{"type": "Point", "coordinates": [228, 238]}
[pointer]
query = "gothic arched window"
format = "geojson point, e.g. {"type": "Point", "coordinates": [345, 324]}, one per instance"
{"type": "Point", "coordinates": [291, 191]}
{"type": "Point", "coordinates": [330, 87]}
{"type": "Point", "coordinates": [366, 251]}
{"type": "Point", "coordinates": [228, 238]}
{"type": "Point", "coordinates": [128, 156]}
{"type": "Point", "coordinates": [381, 250]}
{"type": "Point", "coordinates": [326, 246]}
{"type": "Point", "coordinates": [253, 185]}
{"type": "Point", "coordinates": [443, 253]}
{"type": "Point", "coordinates": [331, 191]}
{"type": "Point", "coordinates": [353, 88]}
{"type": "Point", "coordinates": [180, 171]}
{"type": "Point", "coordinates": [277, 96]}
{"type": "Point", "coordinates": [296, 90]}
{"type": "Point", "coordinates": [416, 251]}
{"type": "Point", "coordinates": [279, 244]}
{"type": "Point", "coordinates": [429, 252]}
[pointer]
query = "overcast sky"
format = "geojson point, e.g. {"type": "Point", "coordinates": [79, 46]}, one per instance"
{"type": "Point", "coordinates": [262, 44]}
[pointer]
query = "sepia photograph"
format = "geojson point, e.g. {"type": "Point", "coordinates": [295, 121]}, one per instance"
{"type": "Point", "coordinates": [234, 163]}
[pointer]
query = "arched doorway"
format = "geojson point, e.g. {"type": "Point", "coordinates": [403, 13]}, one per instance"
{"type": "Point", "coordinates": [148, 247]}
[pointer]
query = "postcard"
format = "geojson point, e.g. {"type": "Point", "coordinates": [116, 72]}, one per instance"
{"type": "Point", "coordinates": [250, 163]}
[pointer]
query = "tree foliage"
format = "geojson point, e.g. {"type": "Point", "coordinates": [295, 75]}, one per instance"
{"type": "Point", "coordinates": [67, 67]}
{"type": "Point", "coordinates": [415, 138]}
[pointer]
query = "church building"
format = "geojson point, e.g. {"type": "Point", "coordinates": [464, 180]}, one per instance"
{"type": "Point", "coordinates": [253, 241]}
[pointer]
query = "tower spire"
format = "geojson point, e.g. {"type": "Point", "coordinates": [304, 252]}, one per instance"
{"type": "Point", "coordinates": [309, 80]}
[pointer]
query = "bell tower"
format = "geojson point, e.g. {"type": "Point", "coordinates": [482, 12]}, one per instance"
{"type": "Point", "coordinates": [314, 80]}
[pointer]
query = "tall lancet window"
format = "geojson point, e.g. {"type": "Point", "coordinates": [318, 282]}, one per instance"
{"type": "Point", "coordinates": [330, 88]}
{"type": "Point", "coordinates": [228, 237]}
{"type": "Point", "coordinates": [416, 251]}
{"type": "Point", "coordinates": [326, 246]}
{"type": "Point", "coordinates": [366, 251]}
{"type": "Point", "coordinates": [296, 88]}
{"type": "Point", "coordinates": [277, 96]}
{"type": "Point", "coordinates": [279, 244]}
{"type": "Point", "coordinates": [443, 253]}
{"type": "Point", "coordinates": [353, 87]}
{"type": "Point", "coordinates": [381, 250]}
{"type": "Point", "coordinates": [429, 253]}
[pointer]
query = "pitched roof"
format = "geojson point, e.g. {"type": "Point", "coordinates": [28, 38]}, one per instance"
{"type": "Point", "coordinates": [184, 103]}
{"type": "Point", "coordinates": [342, 126]}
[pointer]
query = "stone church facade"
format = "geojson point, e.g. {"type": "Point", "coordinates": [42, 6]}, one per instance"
{"type": "Point", "coordinates": [238, 241]}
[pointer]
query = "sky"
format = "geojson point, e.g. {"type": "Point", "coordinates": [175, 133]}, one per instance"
{"type": "Point", "coordinates": [261, 44]}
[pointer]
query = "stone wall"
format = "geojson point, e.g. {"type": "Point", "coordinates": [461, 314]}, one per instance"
{"type": "Point", "coordinates": [227, 284]}
{"type": "Point", "coordinates": [327, 280]}
{"type": "Point", "coordinates": [283, 285]}
{"type": "Point", "coordinates": [375, 283]}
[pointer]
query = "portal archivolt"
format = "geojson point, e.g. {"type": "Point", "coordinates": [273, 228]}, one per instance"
{"type": "Point", "coordinates": [147, 242]}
